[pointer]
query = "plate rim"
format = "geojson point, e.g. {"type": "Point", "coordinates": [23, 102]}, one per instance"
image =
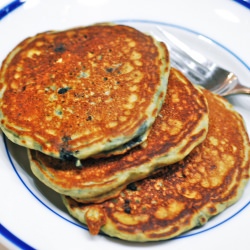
{"type": "Point", "coordinates": [18, 242]}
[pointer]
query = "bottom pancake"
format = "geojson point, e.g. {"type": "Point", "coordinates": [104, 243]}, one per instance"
{"type": "Point", "coordinates": [183, 195]}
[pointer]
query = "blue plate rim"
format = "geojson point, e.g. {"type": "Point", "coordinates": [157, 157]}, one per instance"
{"type": "Point", "coordinates": [6, 10]}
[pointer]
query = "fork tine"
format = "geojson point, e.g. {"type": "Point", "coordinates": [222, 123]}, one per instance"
{"type": "Point", "coordinates": [182, 48]}
{"type": "Point", "coordinates": [197, 68]}
{"type": "Point", "coordinates": [190, 62]}
{"type": "Point", "coordinates": [186, 70]}
{"type": "Point", "coordinates": [187, 63]}
{"type": "Point", "coordinates": [180, 59]}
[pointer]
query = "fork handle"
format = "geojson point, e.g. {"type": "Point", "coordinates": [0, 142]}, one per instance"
{"type": "Point", "coordinates": [237, 89]}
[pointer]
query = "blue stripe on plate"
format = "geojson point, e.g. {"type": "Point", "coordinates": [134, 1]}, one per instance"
{"type": "Point", "coordinates": [15, 240]}
{"type": "Point", "coordinates": [245, 3]}
{"type": "Point", "coordinates": [10, 7]}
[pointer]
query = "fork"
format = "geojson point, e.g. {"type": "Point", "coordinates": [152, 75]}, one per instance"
{"type": "Point", "coordinates": [197, 68]}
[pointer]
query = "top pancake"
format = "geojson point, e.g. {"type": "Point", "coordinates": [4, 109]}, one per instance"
{"type": "Point", "coordinates": [82, 91]}
{"type": "Point", "coordinates": [183, 195]}
{"type": "Point", "coordinates": [181, 125]}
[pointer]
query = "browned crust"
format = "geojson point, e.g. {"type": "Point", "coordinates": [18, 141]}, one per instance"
{"type": "Point", "coordinates": [186, 194]}
{"type": "Point", "coordinates": [181, 125]}
{"type": "Point", "coordinates": [81, 87]}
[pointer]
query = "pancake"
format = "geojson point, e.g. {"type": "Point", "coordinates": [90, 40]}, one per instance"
{"type": "Point", "coordinates": [181, 125]}
{"type": "Point", "coordinates": [181, 196]}
{"type": "Point", "coordinates": [83, 91]}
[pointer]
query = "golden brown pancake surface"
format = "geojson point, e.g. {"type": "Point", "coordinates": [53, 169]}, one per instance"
{"type": "Point", "coordinates": [79, 92]}
{"type": "Point", "coordinates": [181, 125]}
{"type": "Point", "coordinates": [181, 196]}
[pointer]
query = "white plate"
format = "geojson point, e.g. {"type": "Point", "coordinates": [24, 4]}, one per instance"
{"type": "Point", "coordinates": [31, 214]}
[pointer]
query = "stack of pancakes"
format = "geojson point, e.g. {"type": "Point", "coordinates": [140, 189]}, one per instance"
{"type": "Point", "coordinates": [136, 150]}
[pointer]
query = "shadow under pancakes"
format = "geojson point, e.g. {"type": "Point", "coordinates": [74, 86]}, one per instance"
{"type": "Point", "coordinates": [19, 154]}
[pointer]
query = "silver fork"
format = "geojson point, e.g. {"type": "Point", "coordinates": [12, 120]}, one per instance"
{"type": "Point", "coordinates": [198, 69]}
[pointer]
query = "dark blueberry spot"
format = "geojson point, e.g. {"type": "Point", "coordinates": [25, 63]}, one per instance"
{"type": "Point", "coordinates": [109, 70]}
{"type": "Point", "coordinates": [66, 155]}
{"type": "Point", "coordinates": [132, 187]}
{"type": "Point", "coordinates": [63, 90]}
{"type": "Point", "coordinates": [89, 118]}
{"type": "Point", "coordinates": [60, 48]}
{"type": "Point", "coordinates": [66, 138]}
{"type": "Point", "coordinates": [105, 79]}
{"type": "Point", "coordinates": [127, 208]}
{"type": "Point", "coordinates": [85, 36]}
{"type": "Point", "coordinates": [133, 142]}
